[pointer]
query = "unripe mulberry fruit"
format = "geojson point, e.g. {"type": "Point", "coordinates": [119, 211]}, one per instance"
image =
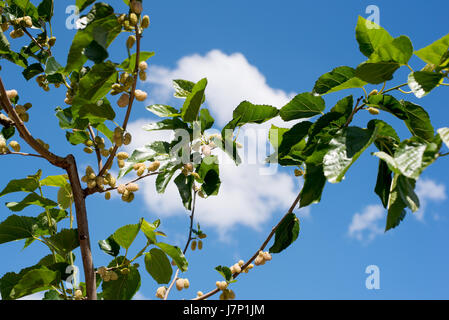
{"type": "Point", "coordinates": [127, 139]}
{"type": "Point", "coordinates": [27, 21]}
{"type": "Point", "coordinates": [15, 146]}
{"type": "Point", "coordinates": [121, 163]}
{"type": "Point", "coordinates": [136, 6]}
{"type": "Point", "coordinates": [160, 292]}
{"type": "Point", "coordinates": [200, 245]}
{"type": "Point", "coordinates": [130, 41]}
{"type": "Point", "coordinates": [122, 155]}
{"type": "Point", "coordinates": [132, 187]}
{"type": "Point", "coordinates": [180, 284]}
{"type": "Point", "coordinates": [202, 235]}
{"type": "Point", "coordinates": [52, 41]}
{"type": "Point", "coordinates": [373, 111]}
{"type": "Point", "coordinates": [267, 256]}
{"type": "Point", "coordinates": [143, 66]}
{"type": "Point", "coordinates": [123, 101]}
{"type": "Point", "coordinates": [142, 75]}
{"type": "Point", "coordinates": [199, 293]}
{"type": "Point", "coordinates": [241, 263]}
{"type": "Point", "coordinates": [186, 284]}
{"type": "Point", "coordinates": [91, 184]}
{"type": "Point", "coordinates": [188, 167]}
{"type": "Point", "coordinates": [193, 245]}
{"type": "Point", "coordinates": [154, 166]}
{"type": "Point", "coordinates": [145, 22]}
{"type": "Point", "coordinates": [78, 295]}
{"type": "Point", "coordinates": [259, 261]}
{"type": "Point", "coordinates": [206, 150]}
{"type": "Point", "coordinates": [140, 95]}
{"type": "Point", "coordinates": [133, 19]}
{"type": "Point", "coordinates": [298, 172]}
{"type": "Point", "coordinates": [88, 150]}
{"type": "Point", "coordinates": [373, 93]}
{"type": "Point", "coordinates": [11, 94]}
{"type": "Point", "coordinates": [107, 195]}
{"type": "Point", "coordinates": [121, 188]}
{"type": "Point", "coordinates": [140, 171]}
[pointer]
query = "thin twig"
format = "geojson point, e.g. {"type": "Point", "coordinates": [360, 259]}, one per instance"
{"type": "Point", "coordinates": [97, 150]}
{"type": "Point", "coordinates": [189, 238]}
{"type": "Point", "coordinates": [22, 154]}
{"type": "Point", "coordinates": [36, 42]}
{"type": "Point", "coordinates": [354, 111]}
{"type": "Point", "coordinates": [130, 104]}
{"type": "Point", "coordinates": [261, 248]}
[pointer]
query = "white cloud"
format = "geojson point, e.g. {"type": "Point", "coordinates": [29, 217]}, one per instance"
{"type": "Point", "coordinates": [231, 79]}
{"type": "Point", "coordinates": [428, 190]}
{"type": "Point", "coordinates": [246, 197]}
{"type": "Point", "coordinates": [366, 226]}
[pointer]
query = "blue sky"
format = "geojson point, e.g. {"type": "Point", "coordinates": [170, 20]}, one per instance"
{"type": "Point", "coordinates": [265, 52]}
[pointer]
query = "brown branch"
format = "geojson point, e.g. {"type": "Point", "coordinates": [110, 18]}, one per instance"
{"type": "Point", "coordinates": [264, 244]}
{"type": "Point", "coordinates": [130, 104]}
{"type": "Point", "coordinates": [5, 121]}
{"type": "Point", "coordinates": [68, 163]}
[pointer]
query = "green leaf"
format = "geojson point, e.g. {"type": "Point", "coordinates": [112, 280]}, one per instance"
{"type": "Point", "coordinates": [400, 50]}
{"type": "Point", "coordinates": [207, 121]}
{"type": "Point", "coordinates": [422, 82]}
{"type": "Point", "coordinates": [31, 199]}
{"type": "Point", "coordinates": [304, 105]}
{"type": "Point", "coordinates": [158, 266]}
{"type": "Point", "coordinates": [383, 183]}
{"type": "Point", "coordinates": [52, 295]}
{"type": "Point", "coordinates": [344, 149]}
{"type": "Point", "coordinates": [163, 110]}
{"type": "Point", "coordinates": [52, 66]}
{"type": "Point", "coordinates": [182, 88]}
{"type": "Point", "coordinates": [99, 27]}
{"type": "Point", "coordinates": [126, 235]}
{"type": "Point", "coordinates": [148, 229]}
{"type": "Point", "coordinates": [167, 124]}
{"type": "Point", "coordinates": [34, 281]}
{"type": "Point", "coordinates": [370, 36]}
{"type": "Point", "coordinates": [409, 158]}
{"type": "Point", "coordinates": [96, 52]}
{"type": "Point", "coordinates": [388, 103]}
{"type": "Point", "coordinates": [45, 10]}
{"type": "Point", "coordinates": [176, 254]}
{"type": "Point", "coordinates": [164, 178]}
{"type": "Point", "coordinates": [55, 181]}
{"type": "Point", "coordinates": [293, 136]}
{"type": "Point", "coordinates": [344, 106]}
{"type": "Point", "coordinates": [24, 185]}
{"type": "Point", "coordinates": [338, 79]}
{"type": "Point", "coordinates": [97, 82]}
{"type": "Point", "coordinates": [434, 52]}
{"type": "Point", "coordinates": [376, 72]}
{"type": "Point", "coordinates": [32, 71]}
{"type": "Point", "coordinates": [286, 233]}
{"type": "Point", "coordinates": [65, 196]}
{"type": "Point", "coordinates": [95, 112]}
{"type": "Point", "coordinates": [314, 182]}
{"type": "Point", "coordinates": [16, 228]}
{"type": "Point", "coordinates": [185, 185]}
{"type": "Point", "coordinates": [126, 286]}
{"type": "Point", "coordinates": [110, 246]}
{"type": "Point", "coordinates": [210, 174]}
{"type": "Point", "coordinates": [193, 101]}
{"type": "Point", "coordinates": [77, 137]}
{"type": "Point", "coordinates": [83, 4]}
{"type": "Point", "coordinates": [418, 121]}
{"type": "Point", "coordinates": [444, 134]}
{"type": "Point", "coordinates": [65, 241]}
{"type": "Point", "coordinates": [225, 272]}
{"type": "Point", "coordinates": [247, 112]}
{"type": "Point", "coordinates": [402, 195]}
{"type": "Point", "coordinates": [130, 64]}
